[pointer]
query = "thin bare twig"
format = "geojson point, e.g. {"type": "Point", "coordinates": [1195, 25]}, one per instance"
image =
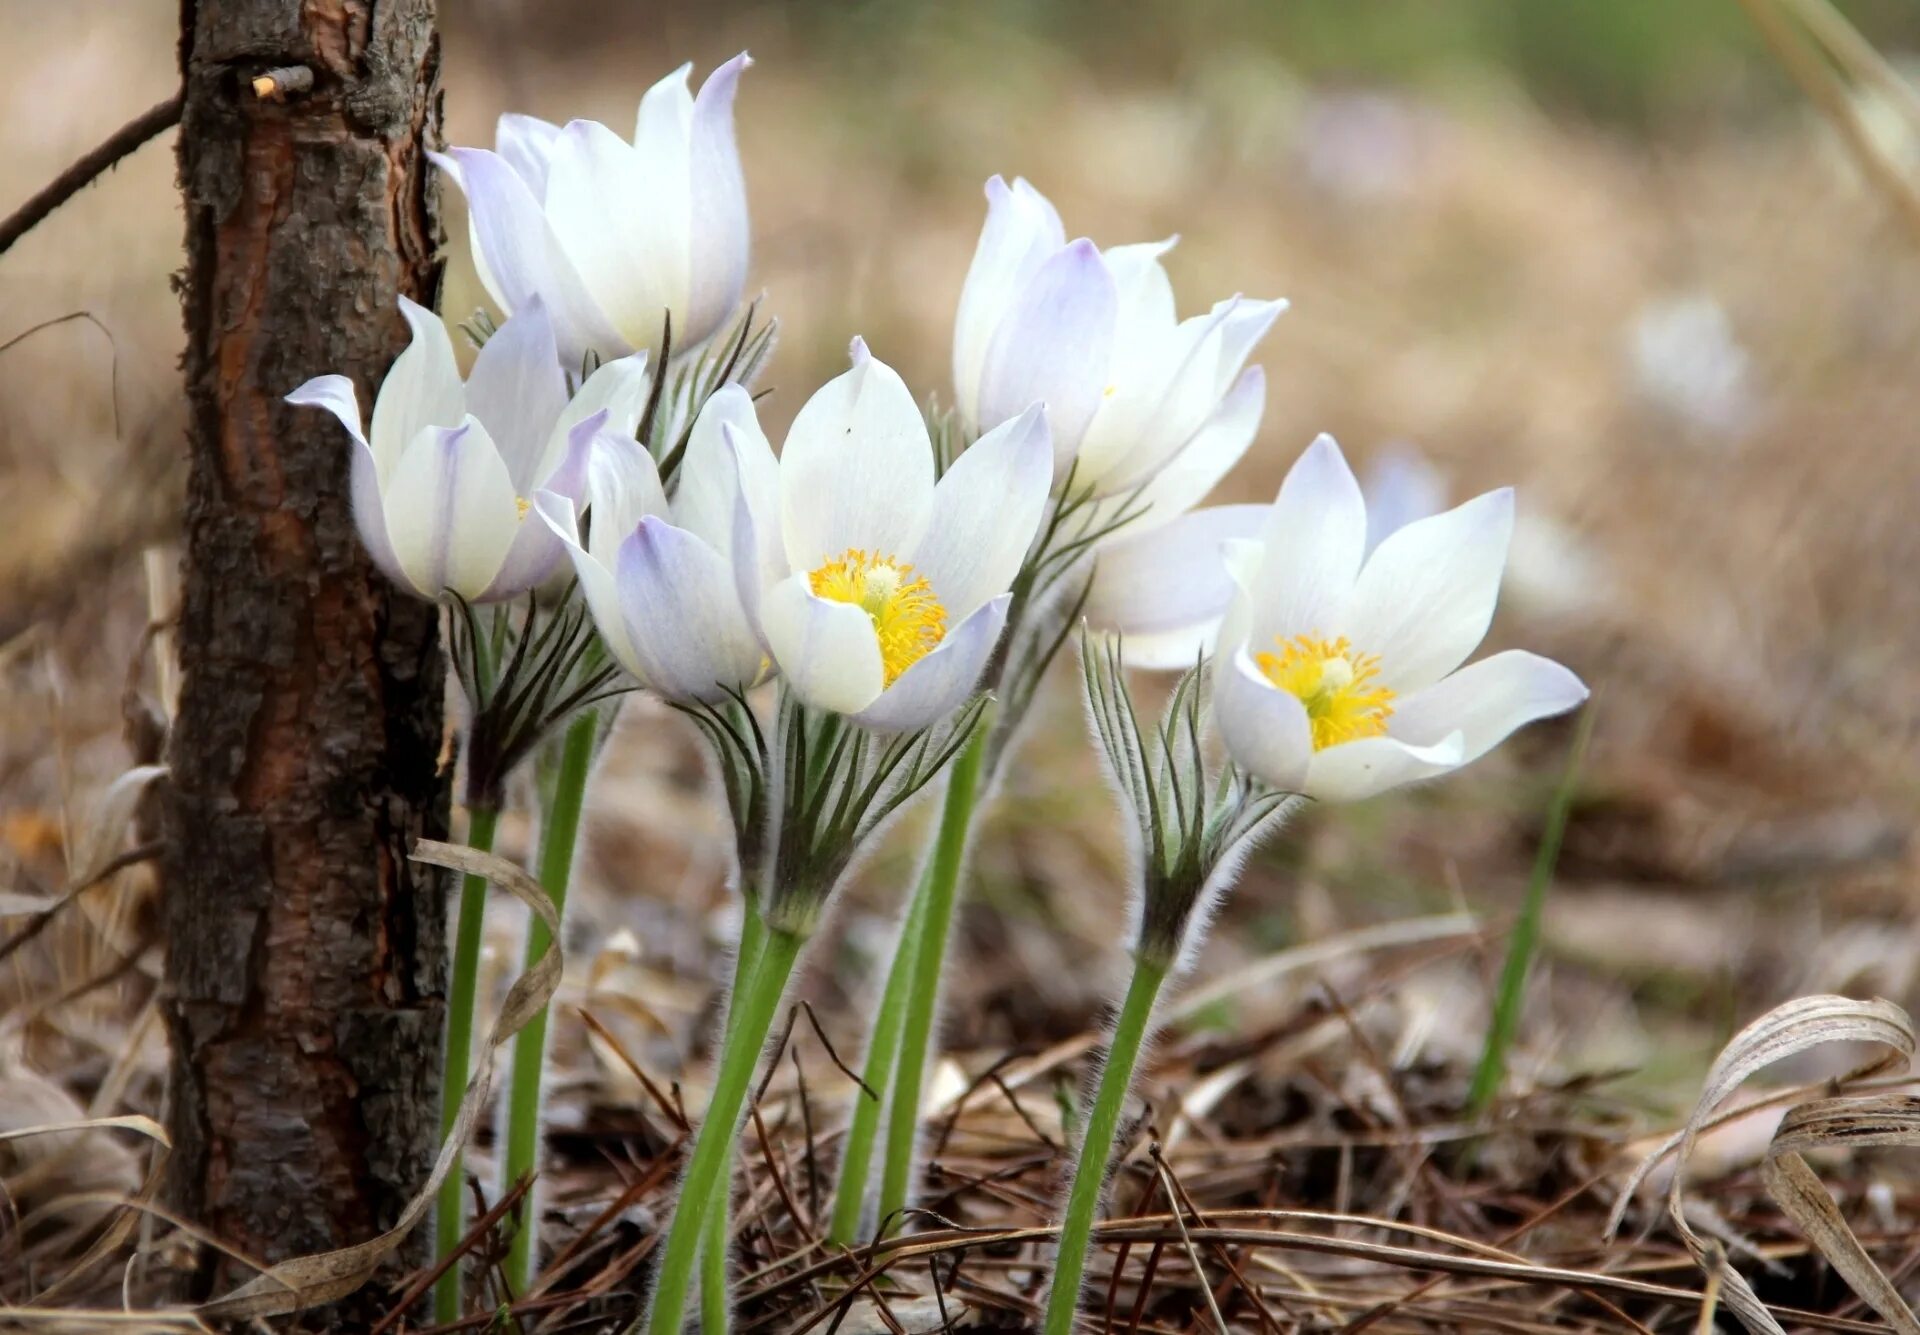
{"type": "Point", "coordinates": [155, 120]}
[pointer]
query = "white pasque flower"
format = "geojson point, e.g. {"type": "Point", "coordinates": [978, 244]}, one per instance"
{"type": "Point", "coordinates": [879, 594]}
{"type": "Point", "coordinates": [1130, 390]}
{"type": "Point", "coordinates": [442, 481]}
{"type": "Point", "coordinates": [1339, 672]}
{"type": "Point", "coordinates": [658, 577]}
{"type": "Point", "coordinates": [614, 235]}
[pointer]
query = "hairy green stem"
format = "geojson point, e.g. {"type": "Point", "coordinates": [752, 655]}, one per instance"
{"type": "Point", "coordinates": [713, 1147]}
{"type": "Point", "coordinates": [883, 1047]}
{"type": "Point", "coordinates": [716, 1308]}
{"type": "Point", "coordinates": [1090, 1174]}
{"type": "Point", "coordinates": [450, 1217]}
{"type": "Point", "coordinates": [923, 983]}
{"type": "Point", "coordinates": [560, 833]}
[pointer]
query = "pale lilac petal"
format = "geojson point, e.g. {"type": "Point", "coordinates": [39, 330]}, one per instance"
{"type": "Point", "coordinates": [612, 221]}
{"type": "Point", "coordinates": [517, 390]}
{"type": "Point", "coordinates": [683, 618]}
{"type": "Point", "coordinates": [827, 651]}
{"type": "Point", "coordinates": [519, 257]}
{"type": "Point", "coordinates": [1316, 533]}
{"type": "Point", "coordinates": [623, 487]}
{"type": "Point", "coordinates": [526, 142]}
{"type": "Point", "coordinates": [1054, 346]}
{"type": "Point", "coordinates": [422, 389]}
{"type": "Point", "coordinates": [1215, 448]}
{"type": "Point", "coordinates": [1022, 230]}
{"type": "Point", "coordinates": [1356, 770]}
{"type": "Point", "coordinates": [370, 514]}
{"type": "Point", "coordinates": [1265, 729]}
{"type": "Point", "coordinates": [537, 548]}
{"type": "Point", "coordinates": [1486, 702]}
{"type": "Point", "coordinates": [703, 504]}
{"type": "Point", "coordinates": [336, 394]}
{"type": "Point", "coordinates": [1425, 597]}
{"type": "Point", "coordinates": [942, 680]}
{"type": "Point", "coordinates": [621, 387]}
{"type": "Point", "coordinates": [720, 236]}
{"type": "Point", "coordinates": [1166, 590]}
{"type": "Point", "coordinates": [597, 583]}
{"type": "Point", "coordinates": [857, 471]}
{"type": "Point", "coordinates": [759, 558]}
{"type": "Point", "coordinates": [450, 510]}
{"type": "Point", "coordinates": [985, 513]}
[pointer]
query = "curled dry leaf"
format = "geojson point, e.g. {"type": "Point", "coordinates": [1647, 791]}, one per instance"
{"type": "Point", "coordinates": [1838, 1122]}
{"type": "Point", "coordinates": [308, 1281]}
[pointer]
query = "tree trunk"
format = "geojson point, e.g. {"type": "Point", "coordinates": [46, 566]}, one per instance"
{"type": "Point", "coordinates": [306, 955]}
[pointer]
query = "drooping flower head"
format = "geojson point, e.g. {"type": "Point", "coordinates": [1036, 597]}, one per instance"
{"type": "Point", "coordinates": [614, 235]}
{"type": "Point", "coordinates": [444, 477]}
{"type": "Point", "coordinates": [879, 594]}
{"type": "Point", "coordinates": [659, 577]}
{"type": "Point", "coordinates": [1338, 673]}
{"type": "Point", "coordinates": [1130, 389]}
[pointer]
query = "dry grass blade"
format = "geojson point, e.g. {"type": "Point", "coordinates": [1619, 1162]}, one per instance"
{"type": "Point", "coordinates": [146, 1126]}
{"type": "Point", "coordinates": [1785, 1031]}
{"type": "Point", "coordinates": [309, 1281]}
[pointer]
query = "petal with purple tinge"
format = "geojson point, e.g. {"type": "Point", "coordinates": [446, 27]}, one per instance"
{"type": "Point", "coordinates": [517, 390]}
{"type": "Point", "coordinates": [422, 389]}
{"type": "Point", "coordinates": [1021, 231]}
{"type": "Point", "coordinates": [683, 618]}
{"type": "Point", "coordinates": [942, 680]}
{"type": "Point", "coordinates": [450, 510]}
{"type": "Point", "coordinates": [720, 237]}
{"type": "Point", "coordinates": [597, 584]}
{"type": "Point", "coordinates": [827, 651]}
{"type": "Point", "coordinates": [1054, 346]}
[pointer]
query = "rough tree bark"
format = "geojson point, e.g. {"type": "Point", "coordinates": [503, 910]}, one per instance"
{"type": "Point", "coordinates": [306, 956]}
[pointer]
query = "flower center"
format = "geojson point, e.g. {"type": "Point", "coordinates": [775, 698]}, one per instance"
{"type": "Point", "coordinates": [1332, 681]}
{"type": "Point", "coordinates": [907, 617]}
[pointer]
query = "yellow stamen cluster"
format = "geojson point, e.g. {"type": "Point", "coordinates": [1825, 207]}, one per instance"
{"type": "Point", "coordinates": [907, 618]}
{"type": "Point", "coordinates": [1332, 682]}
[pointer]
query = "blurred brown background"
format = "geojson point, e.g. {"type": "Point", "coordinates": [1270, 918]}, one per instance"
{"type": "Point", "coordinates": [1603, 252]}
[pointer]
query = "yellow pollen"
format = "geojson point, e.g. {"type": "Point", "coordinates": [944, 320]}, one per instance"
{"type": "Point", "coordinates": [907, 617]}
{"type": "Point", "coordinates": [522, 504]}
{"type": "Point", "coordinates": [1332, 681]}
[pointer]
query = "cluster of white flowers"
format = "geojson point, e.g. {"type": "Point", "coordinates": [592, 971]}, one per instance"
{"type": "Point", "coordinates": [842, 564]}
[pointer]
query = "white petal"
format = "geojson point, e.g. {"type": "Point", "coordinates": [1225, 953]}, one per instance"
{"type": "Point", "coordinates": [942, 680]}
{"type": "Point", "coordinates": [1425, 597]}
{"type": "Point", "coordinates": [1170, 579]}
{"type": "Point", "coordinates": [450, 510]}
{"type": "Point", "coordinates": [336, 394]}
{"type": "Point", "coordinates": [719, 236]}
{"type": "Point", "coordinates": [422, 389]}
{"type": "Point", "coordinates": [827, 651]}
{"type": "Point", "coordinates": [615, 224]}
{"type": "Point", "coordinates": [1265, 728]}
{"type": "Point", "coordinates": [518, 256]}
{"type": "Point", "coordinates": [703, 503]}
{"type": "Point", "coordinates": [597, 583]}
{"type": "Point", "coordinates": [1356, 770]}
{"type": "Point", "coordinates": [370, 514]}
{"type": "Point", "coordinates": [683, 618]}
{"type": "Point", "coordinates": [1145, 291]}
{"type": "Point", "coordinates": [857, 471]}
{"type": "Point", "coordinates": [1054, 346]}
{"type": "Point", "coordinates": [537, 549]}
{"type": "Point", "coordinates": [1316, 533]}
{"type": "Point", "coordinates": [759, 558]}
{"type": "Point", "coordinates": [517, 390]}
{"type": "Point", "coordinates": [1021, 231]}
{"type": "Point", "coordinates": [621, 387]}
{"type": "Point", "coordinates": [1486, 702]}
{"type": "Point", "coordinates": [623, 487]}
{"type": "Point", "coordinates": [526, 142]}
{"type": "Point", "coordinates": [1215, 448]}
{"type": "Point", "coordinates": [985, 512]}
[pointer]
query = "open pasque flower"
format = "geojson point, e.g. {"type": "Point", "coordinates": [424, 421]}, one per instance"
{"type": "Point", "coordinates": [444, 477]}
{"type": "Point", "coordinates": [877, 593]}
{"type": "Point", "coordinates": [658, 577]}
{"type": "Point", "coordinates": [1339, 672]}
{"type": "Point", "coordinates": [1129, 388]}
{"type": "Point", "coordinates": [614, 235]}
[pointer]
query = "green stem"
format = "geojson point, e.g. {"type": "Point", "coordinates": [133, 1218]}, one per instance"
{"type": "Point", "coordinates": [883, 1046]}
{"type": "Point", "coordinates": [561, 833]}
{"type": "Point", "coordinates": [713, 1147]}
{"type": "Point", "coordinates": [716, 1309]}
{"type": "Point", "coordinates": [1525, 941]}
{"type": "Point", "coordinates": [450, 1217]}
{"type": "Point", "coordinates": [1090, 1174]}
{"type": "Point", "coordinates": [923, 986]}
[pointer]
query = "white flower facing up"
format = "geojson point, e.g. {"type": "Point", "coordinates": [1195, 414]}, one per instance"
{"type": "Point", "coordinates": [1131, 391]}
{"type": "Point", "coordinates": [614, 235]}
{"type": "Point", "coordinates": [877, 593]}
{"type": "Point", "coordinates": [658, 577]}
{"type": "Point", "coordinates": [1339, 672]}
{"type": "Point", "coordinates": [443, 479]}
